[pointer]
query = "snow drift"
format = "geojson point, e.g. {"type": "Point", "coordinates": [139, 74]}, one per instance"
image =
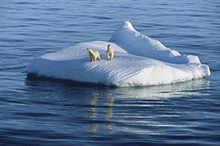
{"type": "Point", "coordinates": [139, 61]}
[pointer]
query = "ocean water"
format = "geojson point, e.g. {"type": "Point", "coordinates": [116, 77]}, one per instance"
{"type": "Point", "coordinates": [40, 111]}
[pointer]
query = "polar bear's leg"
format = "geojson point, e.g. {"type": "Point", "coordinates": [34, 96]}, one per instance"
{"type": "Point", "coordinates": [92, 59]}
{"type": "Point", "coordinates": [99, 57]}
{"type": "Point", "coordinates": [90, 56]}
{"type": "Point", "coordinates": [112, 54]}
{"type": "Point", "coordinates": [108, 56]}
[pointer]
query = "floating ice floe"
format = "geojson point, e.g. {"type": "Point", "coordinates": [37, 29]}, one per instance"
{"type": "Point", "coordinates": [139, 61]}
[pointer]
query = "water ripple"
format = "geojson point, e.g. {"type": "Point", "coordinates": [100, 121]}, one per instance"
{"type": "Point", "coordinates": [42, 111]}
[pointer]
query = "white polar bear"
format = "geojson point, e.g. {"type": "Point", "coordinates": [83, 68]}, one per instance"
{"type": "Point", "coordinates": [93, 55]}
{"type": "Point", "coordinates": [110, 53]}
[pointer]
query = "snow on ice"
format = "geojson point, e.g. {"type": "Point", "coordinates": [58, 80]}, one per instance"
{"type": "Point", "coordinates": [139, 61]}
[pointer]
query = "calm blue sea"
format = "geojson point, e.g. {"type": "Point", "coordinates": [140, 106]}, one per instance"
{"type": "Point", "coordinates": [47, 112]}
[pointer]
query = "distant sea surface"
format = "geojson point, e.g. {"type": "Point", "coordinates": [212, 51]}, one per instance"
{"type": "Point", "coordinates": [40, 111]}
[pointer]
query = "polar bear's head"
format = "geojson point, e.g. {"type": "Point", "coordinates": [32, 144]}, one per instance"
{"type": "Point", "coordinates": [90, 50]}
{"type": "Point", "coordinates": [109, 46]}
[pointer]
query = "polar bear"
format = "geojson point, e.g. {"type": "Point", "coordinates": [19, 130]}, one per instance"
{"type": "Point", "coordinates": [110, 53]}
{"type": "Point", "coordinates": [93, 55]}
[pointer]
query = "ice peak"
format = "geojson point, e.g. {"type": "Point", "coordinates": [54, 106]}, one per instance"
{"type": "Point", "coordinates": [127, 25]}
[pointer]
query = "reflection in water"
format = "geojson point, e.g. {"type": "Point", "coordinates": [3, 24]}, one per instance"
{"type": "Point", "coordinates": [153, 110]}
{"type": "Point", "coordinates": [93, 111]}
{"type": "Point", "coordinates": [152, 92]}
{"type": "Point", "coordinates": [138, 110]}
{"type": "Point", "coordinates": [181, 89]}
{"type": "Point", "coordinates": [93, 128]}
{"type": "Point", "coordinates": [109, 113]}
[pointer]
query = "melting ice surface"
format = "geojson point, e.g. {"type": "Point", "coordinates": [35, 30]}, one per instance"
{"type": "Point", "coordinates": [138, 61]}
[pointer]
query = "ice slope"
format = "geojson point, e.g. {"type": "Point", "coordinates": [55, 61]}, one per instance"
{"type": "Point", "coordinates": [138, 44]}
{"type": "Point", "coordinates": [139, 61]}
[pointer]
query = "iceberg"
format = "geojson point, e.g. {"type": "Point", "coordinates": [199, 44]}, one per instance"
{"type": "Point", "coordinates": [138, 61]}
